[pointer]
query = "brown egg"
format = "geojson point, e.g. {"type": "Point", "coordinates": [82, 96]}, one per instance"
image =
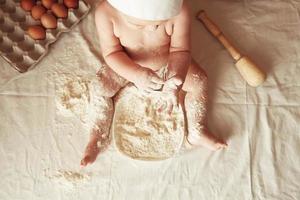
{"type": "Point", "coordinates": [27, 4]}
{"type": "Point", "coordinates": [36, 32]}
{"type": "Point", "coordinates": [71, 3]}
{"type": "Point", "coordinates": [59, 10]}
{"type": "Point", "coordinates": [49, 21]}
{"type": "Point", "coordinates": [37, 11]}
{"type": "Point", "coordinates": [48, 3]}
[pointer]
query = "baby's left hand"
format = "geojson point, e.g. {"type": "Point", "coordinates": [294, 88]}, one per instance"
{"type": "Point", "coordinates": [171, 89]}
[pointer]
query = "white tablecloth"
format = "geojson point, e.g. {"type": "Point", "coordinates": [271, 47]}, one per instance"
{"type": "Point", "coordinates": [260, 124]}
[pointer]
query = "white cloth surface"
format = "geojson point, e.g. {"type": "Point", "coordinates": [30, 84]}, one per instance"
{"type": "Point", "coordinates": [260, 124]}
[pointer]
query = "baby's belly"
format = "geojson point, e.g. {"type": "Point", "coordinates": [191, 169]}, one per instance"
{"type": "Point", "coordinates": [153, 58]}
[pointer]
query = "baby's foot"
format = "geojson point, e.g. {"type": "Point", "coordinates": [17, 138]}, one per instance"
{"type": "Point", "coordinates": [205, 139]}
{"type": "Point", "coordinates": [99, 141]}
{"type": "Point", "coordinates": [91, 152]}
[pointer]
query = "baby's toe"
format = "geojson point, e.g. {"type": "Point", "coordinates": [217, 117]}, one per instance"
{"type": "Point", "coordinates": [88, 159]}
{"type": "Point", "coordinates": [220, 145]}
{"type": "Point", "coordinates": [85, 161]}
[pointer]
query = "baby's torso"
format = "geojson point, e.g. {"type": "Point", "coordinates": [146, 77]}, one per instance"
{"type": "Point", "coordinates": [146, 45]}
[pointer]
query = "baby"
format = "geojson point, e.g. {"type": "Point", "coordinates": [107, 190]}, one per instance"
{"type": "Point", "coordinates": [138, 38]}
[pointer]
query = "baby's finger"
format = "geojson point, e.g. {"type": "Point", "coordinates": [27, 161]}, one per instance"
{"type": "Point", "coordinates": [156, 79]}
{"type": "Point", "coordinates": [175, 101]}
{"type": "Point", "coordinates": [169, 85]}
{"type": "Point", "coordinates": [148, 90]}
{"type": "Point", "coordinates": [144, 89]}
{"type": "Point", "coordinates": [163, 106]}
{"type": "Point", "coordinates": [170, 107]}
{"type": "Point", "coordinates": [173, 83]}
{"type": "Point", "coordinates": [177, 81]}
{"type": "Point", "coordinates": [85, 161]}
{"type": "Point", "coordinates": [155, 86]}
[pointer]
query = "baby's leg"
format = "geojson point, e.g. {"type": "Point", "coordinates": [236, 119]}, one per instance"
{"type": "Point", "coordinates": [110, 84]}
{"type": "Point", "coordinates": [195, 105]}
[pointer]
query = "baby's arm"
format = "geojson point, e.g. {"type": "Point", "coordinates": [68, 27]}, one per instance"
{"type": "Point", "coordinates": [117, 59]}
{"type": "Point", "coordinates": [112, 50]}
{"type": "Point", "coordinates": [180, 58]}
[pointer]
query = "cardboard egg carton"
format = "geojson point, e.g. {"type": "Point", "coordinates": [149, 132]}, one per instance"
{"type": "Point", "coordinates": [17, 47]}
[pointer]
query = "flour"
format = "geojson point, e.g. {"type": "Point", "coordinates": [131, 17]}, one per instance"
{"type": "Point", "coordinates": [71, 176]}
{"type": "Point", "coordinates": [141, 131]}
{"type": "Point", "coordinates": [73, 94]}
{"type": "Point", "coordinates": [68, 178]}
{"type": "Point", "coordinates": [80, 96]}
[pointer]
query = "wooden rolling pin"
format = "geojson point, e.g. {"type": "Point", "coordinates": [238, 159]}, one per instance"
{"type": "Point", "coordinates": [253, 75]}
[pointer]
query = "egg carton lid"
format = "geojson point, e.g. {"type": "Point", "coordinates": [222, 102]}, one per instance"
{"type": "Point", "coordinates": [17, 47]}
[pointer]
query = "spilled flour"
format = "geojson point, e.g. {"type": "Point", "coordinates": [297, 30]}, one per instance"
{"type": "Point", "coordinates": [71, 176]}
{"type": "Point", "coordinates": [67, 177]}
{"type": "Point", "coordinates": [80, 96]}
{"type": "Point", "coordinates": [140, 131]}
{"type": "Point", "coordinates": [75, 95]}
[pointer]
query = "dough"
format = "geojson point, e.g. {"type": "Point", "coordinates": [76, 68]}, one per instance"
{"type": "Point", "coordinates": [140, 131]}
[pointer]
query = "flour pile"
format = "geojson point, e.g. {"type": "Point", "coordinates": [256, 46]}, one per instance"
{"type": "Point", "coordinates": [74, 94]}
{"type": "Point", "coordinates": [68, 179]}
{"type": "Point", "coordinates": [140, 131]}
{"type": "Point", "coordinates": [80, 95]}
{"type": "Point", "coordinates": [71, 176]}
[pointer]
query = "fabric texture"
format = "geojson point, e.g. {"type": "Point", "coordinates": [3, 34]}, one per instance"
{"type": "Point", "coordinates": [40, 150]}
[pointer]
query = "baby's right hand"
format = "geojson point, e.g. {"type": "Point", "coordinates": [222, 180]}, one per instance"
{"type": "Point", "coordinates": [148, 80]}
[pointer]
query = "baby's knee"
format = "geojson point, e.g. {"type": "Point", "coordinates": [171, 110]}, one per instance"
{"type": "Point", "coordinates": [196, 79]}
{"type": "Point", "coordinates": [110, 83]}
{"type": "Point", "coordinates": [199, 81]}
{"type": "Point", "coordinates": [200, 77]}
{"type": "Point", "coordinates": [108, 88]}
{"type": "Point", "coordinates": [198, 73]}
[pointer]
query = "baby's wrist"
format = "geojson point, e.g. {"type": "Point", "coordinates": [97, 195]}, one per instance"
{"type": "Point", "coordinates": [137, 74]}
